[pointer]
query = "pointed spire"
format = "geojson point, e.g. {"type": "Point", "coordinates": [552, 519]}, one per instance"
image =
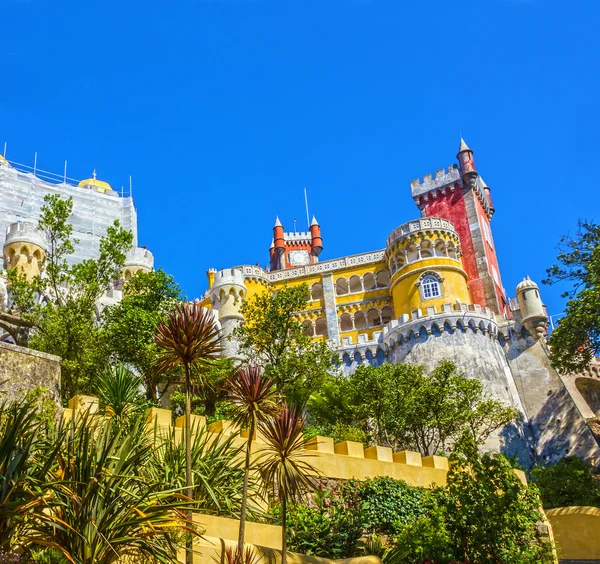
{"type": "Point", "coordinates": [314, 221]}
{"type": "Point", "coordinates": [463, 146]}
{"type": "Point", "coordinates": [277, 222]}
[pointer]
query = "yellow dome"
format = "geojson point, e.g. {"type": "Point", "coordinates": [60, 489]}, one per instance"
{"type": "Point", "coordinates": [100, 184]}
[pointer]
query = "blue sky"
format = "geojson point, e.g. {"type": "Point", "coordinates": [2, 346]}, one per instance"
{"type": "Point", "coordinates": [223, 111]}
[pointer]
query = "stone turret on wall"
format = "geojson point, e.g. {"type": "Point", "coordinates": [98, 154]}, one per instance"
{"type": "Point", "coordinates": [226, 296]}
{"type": "Point", "coordinates": [533, 314]}
{"type": "Point", "coordinates": [25, 249]}
{"type": "Point", "coordinates": [138, 259]}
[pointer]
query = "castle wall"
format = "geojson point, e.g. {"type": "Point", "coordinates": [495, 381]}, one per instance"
{"type": "Point", "coordinates": [558, 427]}
{"type": "Point", "coordinates": [23, 370]}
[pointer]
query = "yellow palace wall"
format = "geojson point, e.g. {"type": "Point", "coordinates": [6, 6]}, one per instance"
{"type": "Point", "coordinates": [406, 293]}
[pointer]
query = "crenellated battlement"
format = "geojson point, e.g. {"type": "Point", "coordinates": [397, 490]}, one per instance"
{"type": "Point", "coordinates": [424, 224]}
{"type": "Point", "coordinates": [448, 318]}
{"type": "Point", "coordinates": [140, 256]}
{"type": "Point", "coordinates": [25, 232]}
{"type": "Point", "coordinates": [343, 460]}
{"type": "Point", "coordinates": [228, 276]}
{"type": "Point", "coordinates": [440, 179]}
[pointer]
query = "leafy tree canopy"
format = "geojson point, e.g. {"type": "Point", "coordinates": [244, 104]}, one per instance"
{"type": "Point", "coordinates": [570, 481]}
{"type": "Point", "coordinates": [401, 406]}
{"type": "Point", "coordinates": [576, 339]}
{"type": "Point", "coordinates": [273, 338]}
{"type": "Point", "coordinates": [64, 321]}
{"type": "Point", "coordinates": [130, 325]}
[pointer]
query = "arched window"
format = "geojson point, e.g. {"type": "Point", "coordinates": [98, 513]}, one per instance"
{"type": "Point", "coordinates": [430, 287]}
{"type": "Point", "coordinates": [383, 279]}
{"type": "Point", "coordinates": [316, 291]}
{"type": "Point", "coordinates": [346, 322]}
{"type": "Point", "coordinates": [321, 327]}
{"type": "Point", "coordinates": [308, 328]}
{"type": "Point", "coordinates": [426, 249]}
{"type": "Point", "coordinates": [360, 320]}
{"type": "Point", "coordinates": [355, 284]}
{"type": "Point", "coordinates": [341, 286]}
{"type": "Point", "coordinates": [373, 318]}
{"type": "Point", "coordinates": [369, 281]}
{"type": "Point", "coordinates": [386, 315]}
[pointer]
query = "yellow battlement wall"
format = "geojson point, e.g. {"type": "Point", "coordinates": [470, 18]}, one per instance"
{"type": "Point", "coordinates": [344, 460]}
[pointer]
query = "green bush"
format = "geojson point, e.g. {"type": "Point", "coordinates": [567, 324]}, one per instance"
{"type": "Point", "coordinates": [568, 482]}
{"type": "Point", "coordinates": [390, 504]}
{"type": "Point", "coordinates": [331, 527]}
{"type": "Point", "coordinates": [483, 514]}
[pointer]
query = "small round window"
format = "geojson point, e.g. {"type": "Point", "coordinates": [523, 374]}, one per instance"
{"type": "Point", "coordinates": [431, 287]}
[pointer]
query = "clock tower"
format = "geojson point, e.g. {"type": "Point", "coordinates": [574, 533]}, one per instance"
{"type": "Point", "coordinates": [295, 249]}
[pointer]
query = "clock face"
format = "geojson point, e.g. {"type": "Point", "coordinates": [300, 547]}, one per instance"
{"type": "Point", "coordinates": [299, 258]}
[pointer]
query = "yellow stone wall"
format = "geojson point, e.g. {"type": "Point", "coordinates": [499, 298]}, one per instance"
{"type": "Point", "coordinates": [342, 460]}
{"type": "Point", "coordinates": [406, 293]}
{"type": "Point", "coordinates": [576, 532]}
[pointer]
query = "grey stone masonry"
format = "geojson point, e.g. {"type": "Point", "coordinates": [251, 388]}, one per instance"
{"type": "Point", "coordinates": [330, 309]}
{"type": "Point", "coordinates": [440, 179]}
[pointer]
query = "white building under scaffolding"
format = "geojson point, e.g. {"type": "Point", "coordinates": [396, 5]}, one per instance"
{"type": "Point", "coordinates": [95, 205]}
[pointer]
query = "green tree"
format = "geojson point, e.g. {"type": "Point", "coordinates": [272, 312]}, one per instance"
{"type": "Point", "coordinates": [401, 406]}
{"type": "Point", "coordinates": [130, 325]}
{"type": "Point", "coordinates": [273, 338]}
{"type": "Point", "coordinates": [576, 339]}
{"type": "Point", "coordinates": [490, 514]}
{"type": "Point", "coordinates": [65, 321]}
{"type": "Point", "coordinates": [569, 482]}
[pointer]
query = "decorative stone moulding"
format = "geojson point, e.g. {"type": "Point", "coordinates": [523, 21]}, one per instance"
{"type": "Point", "coordinates": [425, 224]}
{"type": "Point", "coordinates": [450, 317]}
{"type": "Point", "coordinates": [325, 266]}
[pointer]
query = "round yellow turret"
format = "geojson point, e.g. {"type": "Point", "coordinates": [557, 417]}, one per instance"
{"type": "Point", "coordinates": [423, 257]}
{"type": "Point", "coordinates": [25, 249]}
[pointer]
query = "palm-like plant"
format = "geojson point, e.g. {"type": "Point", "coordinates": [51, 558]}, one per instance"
{"type": "Point", "coordinates": [231, 556]}
{"type": "Point", "coordinates": [25, 459]}
{"type": "Point", "coordinates": [253, 397]}
{"type": "Point", "coordinates": [282, 463]}
{"type": "Point", "coordinates": [101, 508]}
{"type": "Point", "coordinates": [217, 469]}
{"type": "Point", "coordinates": [118, 390]}
{"type": "Point", "coordinates": [188, 339]}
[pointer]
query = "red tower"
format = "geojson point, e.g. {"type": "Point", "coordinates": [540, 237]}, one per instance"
{"type": "Point", "coordinates": [299, 248]}
{"type": "Point", "coordinates": [461, 196]}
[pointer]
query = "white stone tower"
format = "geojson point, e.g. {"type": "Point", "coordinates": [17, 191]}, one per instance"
{"type": "Point", "coordinates": [227, 293]}
{"type": "Point", "coordinates": [138, 259]}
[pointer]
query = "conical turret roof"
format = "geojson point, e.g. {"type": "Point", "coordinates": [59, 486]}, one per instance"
{"type": "Point", "coordinates": [314, 221]}
{"type": "Point", "coordinates": [463, 146]}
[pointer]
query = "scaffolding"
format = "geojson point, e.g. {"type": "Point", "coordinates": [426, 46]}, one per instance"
{"type": "Point", "coordinates": [22, 192]}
